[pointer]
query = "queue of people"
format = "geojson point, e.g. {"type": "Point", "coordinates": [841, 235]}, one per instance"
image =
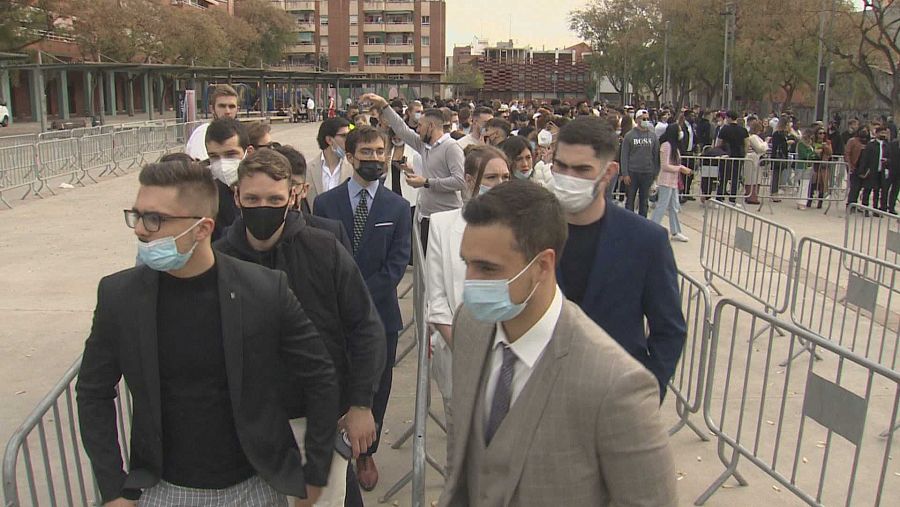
{"type": "Point", "coordinates": [258, 330]}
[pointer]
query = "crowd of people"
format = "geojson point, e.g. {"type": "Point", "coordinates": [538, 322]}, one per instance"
{"type": "Point", "coordinates": [259, 330]}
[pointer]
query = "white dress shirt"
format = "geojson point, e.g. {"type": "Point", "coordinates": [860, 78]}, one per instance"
{"type": "Point", "coordinates": [527, 349]}
{"type": "Point", "coordinates": [330, 179]}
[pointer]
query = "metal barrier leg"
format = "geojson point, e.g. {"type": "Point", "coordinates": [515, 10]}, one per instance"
{"type": "Point", "coordinates": [718, 483]}
{"type": "Point", "coordinates": [683, 420]}
{"type": "Point", "coordinates": [409, 348]}
{"type": "Point", "coordinates": [887, 433]}
{"type": "Point", "coordinates": [396, 487]}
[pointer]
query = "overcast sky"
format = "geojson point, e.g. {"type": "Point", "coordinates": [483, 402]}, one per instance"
{"type": "Point", "coordinates": [535, 23]}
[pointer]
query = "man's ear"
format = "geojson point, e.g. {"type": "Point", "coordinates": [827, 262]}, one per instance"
{"type": "Point", "coordinates": [237, 195]}
{"type": "Point", "coordinates": [250, 149]}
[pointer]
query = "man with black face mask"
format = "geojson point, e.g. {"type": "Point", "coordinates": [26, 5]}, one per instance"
{"type": "Point", "coordinates": [331, 290]}
{"type": "Point", "coordinates": [380, 233]}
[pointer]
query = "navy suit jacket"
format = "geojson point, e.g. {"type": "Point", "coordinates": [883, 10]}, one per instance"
{"type": "Point", "coordinates": [633, 276]}
{"type": "Point", "coordinates": [384, 249]}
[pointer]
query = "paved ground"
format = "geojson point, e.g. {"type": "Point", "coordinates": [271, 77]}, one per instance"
{"type": "Point", "coordinates": [53, 252]}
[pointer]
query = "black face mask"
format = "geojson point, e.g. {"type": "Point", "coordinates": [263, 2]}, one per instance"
{"type": "Point", "coordinates": [427, 138]}
{"type": "Point", "coordinates": [263, 221]}
{"type": "Point", "coordinates": [370, 170]}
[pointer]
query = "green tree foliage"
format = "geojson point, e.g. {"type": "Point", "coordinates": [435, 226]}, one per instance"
{"type": "Point", "coordinates": [150, 31]}
{"type": "Point", "coordinates": [24, 22]}
{"type": "Point", "coordinates": [468, 77]}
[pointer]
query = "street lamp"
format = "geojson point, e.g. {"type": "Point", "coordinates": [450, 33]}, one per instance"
{"type": "Point", "coordinates": [553, 79]}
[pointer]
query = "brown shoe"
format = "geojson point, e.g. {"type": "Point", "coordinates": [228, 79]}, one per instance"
{"type": "Point", "coordinates": [366, 472]}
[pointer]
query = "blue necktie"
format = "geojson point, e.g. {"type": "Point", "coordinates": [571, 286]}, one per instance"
{"type": "Point", "coordinates": [502, 393]}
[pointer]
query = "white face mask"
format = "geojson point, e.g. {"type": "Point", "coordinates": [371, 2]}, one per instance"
{"type": "Point", "coordinates": [225, 169]}
{"type": "Point", "coordinates": [574, 194]}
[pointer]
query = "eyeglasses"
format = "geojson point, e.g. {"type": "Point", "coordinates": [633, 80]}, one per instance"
{"type": "Point", "coordinates": [271, 146]}
{"type": "Point", "coordinates": [152, 221]}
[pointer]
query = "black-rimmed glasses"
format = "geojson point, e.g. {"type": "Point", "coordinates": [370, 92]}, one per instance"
{"type": "Point", "coordinates": [152, 221]}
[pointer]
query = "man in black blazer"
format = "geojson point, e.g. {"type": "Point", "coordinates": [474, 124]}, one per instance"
{"type": "Point", "coordinates": [204, 343]}
{"type": "Point", "coordinates": [380, 231]}
{"type": "Point", "coordinates": [873, 169]}
{"type": "Point", "coordinates": [328, 285]}
{"type": "Point", "coordinates": [618, 267]}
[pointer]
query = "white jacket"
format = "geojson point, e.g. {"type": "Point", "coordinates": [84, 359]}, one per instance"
{"type": "Point", "coordinates": [414, 160]}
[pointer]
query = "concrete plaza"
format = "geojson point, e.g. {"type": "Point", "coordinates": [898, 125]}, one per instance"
{"type": "Point", "coordinates": [53, 252]}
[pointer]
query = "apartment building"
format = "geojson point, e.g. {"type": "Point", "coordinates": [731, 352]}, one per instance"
{"type": "Point", "coordinates": [387, 37]}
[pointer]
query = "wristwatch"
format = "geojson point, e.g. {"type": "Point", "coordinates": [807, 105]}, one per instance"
{"type": "Point", "coordinates": [427, 184]}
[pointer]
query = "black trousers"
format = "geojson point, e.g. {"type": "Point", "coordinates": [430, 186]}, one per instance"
{"type": "Point", "coordinates": [775, 184]}
{"type": "Point", "coordinates": [354, 495]}
{"type": "Point", "coordinates": [872, 187]}
{"type": "Point", "coordinates": [889, 190]}
{"type": "Point", "coordinates": [729, 174]}
{"type": "Point", "coordinates": [640, 183]}
{"type": "Point", "coordinates": [856, 184]}
{"type": "Point", "coordinates": [380, 402]}
{"type": "Point", "coordinates": [688, 179]}
{"type": "Point", "coordinates": [423, 231]}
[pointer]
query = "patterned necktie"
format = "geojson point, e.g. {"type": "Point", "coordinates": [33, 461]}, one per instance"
{"type": "Point", "coordinates": [502, 393]}
{"type": "Point", "coordinates": [359, 219]}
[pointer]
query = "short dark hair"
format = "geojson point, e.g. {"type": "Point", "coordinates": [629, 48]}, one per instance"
{"type": "Point", "coordinates": [434, 114]}
{"type": "Point", "coordinates": [499, 123]}
{"type": "Point", "coordinates": [330, 128]}
{"type": "Point", "coordinates": [482, 110]}
{"type": "Point", "coordinates": [364, 134]}
{"type": "Point", "coordinates": [513, 147]}
{"type": "Point", "coordinates": [591, 131]}
{"type": "Point", "coordinates": [177, 156]}
{"type": "Point", "coordinates": [731, 114]}
{"type": "Point", "coordinates": [266, 161]}
{"type": "Point", "coordinates": [194, 183]}
{"type": "Point", "coordinates": [223, 129]}
{"type": "Point", "coordinates": [257, 130]}
{"type": "Point", "coordinates": [297, 160]}
{"type": "Point", "coordinates": [534, 215]}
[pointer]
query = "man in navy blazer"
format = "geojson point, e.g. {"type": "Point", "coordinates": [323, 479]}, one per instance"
{"type": "Point", "coordinates": [616, 265]}
{"type": "Point", "coordinates": [379, 226]}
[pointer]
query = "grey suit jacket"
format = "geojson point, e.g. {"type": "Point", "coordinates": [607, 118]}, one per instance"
{"type": "Point", "coordinates": [584, 431]}
{"type": "Point", "coordinates": [314, 177]}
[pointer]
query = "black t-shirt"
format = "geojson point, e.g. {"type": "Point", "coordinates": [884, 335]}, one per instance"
{"type": "Point", "coordinates": [734, 136]}
{"type": "Point", "coordinates": [200, 443]}
{"type": "Point", "coordinates": [578, 257]}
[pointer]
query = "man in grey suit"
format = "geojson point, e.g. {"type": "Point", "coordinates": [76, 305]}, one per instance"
{"type": "Point", "coordinates": [548, 409]}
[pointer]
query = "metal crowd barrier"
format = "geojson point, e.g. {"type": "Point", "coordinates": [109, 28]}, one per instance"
{"type": "Point", "coordinates": [812, 426]}
{"type": "Point", "coordinates": [18, 169]}
{"type": "Point", "coordinates": [18, 140]}
{"type": "Point", "coordinates": [749, 252]}
{"type": "Point", "coordinates": [73, 153]}
{"type": "Point", "coordinates": [848, 298]}
{"type": "Point", "coordinates": [421, 458]}
{"type": "Point", "coordinates": [795, 177]}
{"type": "Point", "coordinates": [61, 472]}
{"type": "Point", "coordinates": [864, 232]}
{"type": "Point", "coordinates": [687, 384]}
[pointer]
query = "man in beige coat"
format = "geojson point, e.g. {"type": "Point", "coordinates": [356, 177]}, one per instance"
{"type": "Point", "coordinates": [547, 408]}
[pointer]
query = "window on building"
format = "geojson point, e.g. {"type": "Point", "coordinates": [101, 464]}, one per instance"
{"type": "Point", "coordinates": [324, 41]}
{"type": "Point", "coordinates": [373, 59]}
{"type": "Point", "coordinates": [305, 38]}
{"type": "Point", "coordinates": [375, 39]}
{"type": "Point", "coordinates": [426, 41]}
{"type": "Point", "coordinates": [426, 61]}
{"type": "Point", "coordinates": [426, 20]}
{"type": "Point", "coordinates": [354, 61]}
{"type": "Point", "coordinates": [354, 19]}
{"type": "Point", "coordinates": [354, 41]}
{"type": "Point", "coordinates": [323, 20]}
{"type": "Point", "coordinates": [395, 60]}
{"type": "Point", "coordinates": [374, 18]}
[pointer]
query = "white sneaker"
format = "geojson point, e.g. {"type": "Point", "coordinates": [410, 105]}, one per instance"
{"type": "Point", "coordinates": [680, 237]}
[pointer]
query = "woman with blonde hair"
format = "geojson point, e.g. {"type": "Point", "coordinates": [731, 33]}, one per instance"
{"type": "Point", "coordinates": [758, 148]}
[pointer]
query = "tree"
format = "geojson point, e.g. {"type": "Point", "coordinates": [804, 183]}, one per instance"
{"type": "Point", "coordinates": [626, 40]}
{"type": "Point", "coordinates": [24, 22]}
{"type": "Point", "coordinates": [695, 47]}
{"type": "Point", "coordinates": [273, 27]}
{"type": "Point", "coordinates": [872, 48]}
{"type": "Point", "coordinates": [466, 76]}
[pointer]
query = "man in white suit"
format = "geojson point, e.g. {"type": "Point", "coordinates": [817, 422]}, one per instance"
{"type": "Point", "coordinates": [548, 408]}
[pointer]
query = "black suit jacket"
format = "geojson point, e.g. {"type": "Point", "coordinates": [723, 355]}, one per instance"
{"type": "Point", "coordinates": [869, 161]}
{"type": "Point", "coordinates": [265, 333]}
{"type": "Point", "coordinates": [335, 227]}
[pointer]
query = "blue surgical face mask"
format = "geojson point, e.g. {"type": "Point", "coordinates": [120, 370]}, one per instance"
{"type": "Point", "coordinates": [488, 300]}
{"type": "Point", "coordinates": [523, 176]}
{"type": "Point", "coordinates": [338, 151]}
{"type": "Point", "coordinates": [162, 254]}
{"type": "Point", "coordinates": [483, 189]}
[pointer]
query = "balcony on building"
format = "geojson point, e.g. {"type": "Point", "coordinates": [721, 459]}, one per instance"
{"type": "Point", "coordinates": [399, 6]}
{"type": "Point", "coordinates": [298, 5]}
{"type": "Point", "coordinates": [303, 47]}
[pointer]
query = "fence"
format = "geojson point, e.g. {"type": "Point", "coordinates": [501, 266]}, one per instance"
{"type": "Point", "coordinates": [865, 233]}
{"type": "Point", "coordinates": [63, 471]}
{"type": "Point", "coordinates": [811, 426]}
{"type": "Point", "coordinates": [848, 298]}
{"type": "Point", "coordinates": [73, 153]}
{"type": "Point", "coordinates": [799, 177]}
{"type": "Point", "coordinates": [687, 384]}
{"type": "Point", "coordinates": [749, 252]}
